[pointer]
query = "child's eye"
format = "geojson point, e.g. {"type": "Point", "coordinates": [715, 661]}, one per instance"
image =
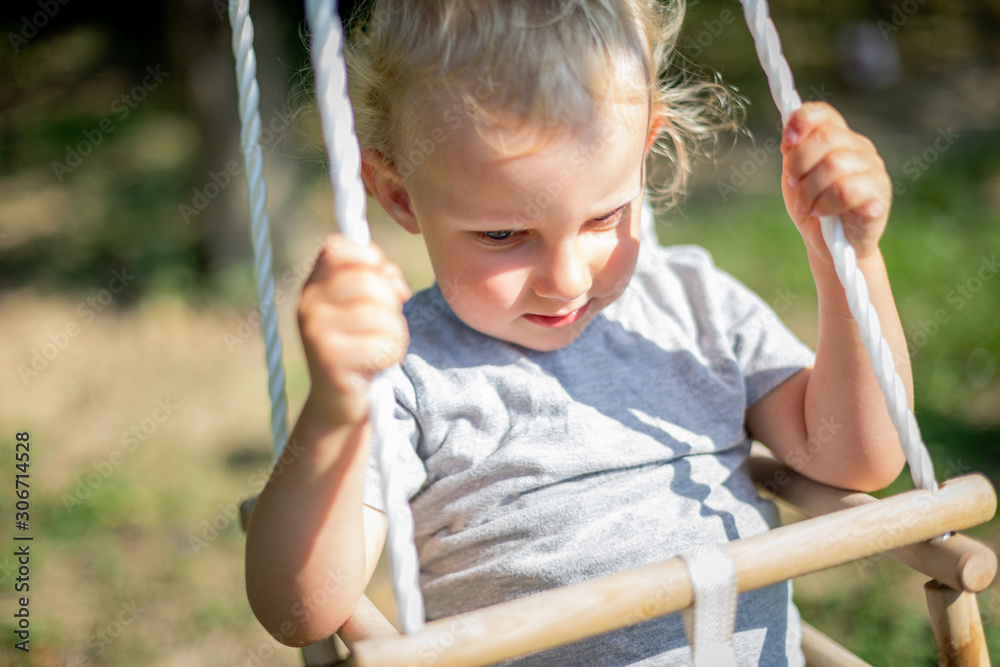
{"type": "Point", "coordinates": [500, 238]}
{"type": "Point", "coordinates": [612, 219]}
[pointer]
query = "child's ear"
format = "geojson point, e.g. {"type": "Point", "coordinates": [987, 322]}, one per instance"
{"type": "Point", "coordinates": [387, 187]}
{"type": "Point", "coordinates": [655, 125]}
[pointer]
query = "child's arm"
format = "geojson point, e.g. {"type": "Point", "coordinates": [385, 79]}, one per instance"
{"type": "Point", "coordinates": [312, 545]}
{"type": "Point", "coordinates": [830, 422]}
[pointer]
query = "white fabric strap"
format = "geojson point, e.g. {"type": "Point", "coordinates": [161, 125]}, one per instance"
{"type": "Point", "coordinates": [712, 619]}
{"type": "Point", "coordinates": [779, 77]}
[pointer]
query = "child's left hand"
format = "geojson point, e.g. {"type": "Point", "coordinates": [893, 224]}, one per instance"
{"type": "Point", "coordinates": [828, 170]}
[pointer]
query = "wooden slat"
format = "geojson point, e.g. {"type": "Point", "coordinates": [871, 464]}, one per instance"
{"type": "Point", "coordinates": [821, 651]}
{"type": "Point", "coordinates": [958, 561]}
{"type": "Point", "coordinates": [322, 654]}
{"type": "Point", "coordinates": [367, 622]}
{"type": "Point", "coordinates": [570, 613]}
{"type": "Point", "coordinates": [958, 628]}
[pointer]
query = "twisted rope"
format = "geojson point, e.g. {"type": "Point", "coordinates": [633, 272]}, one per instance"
{"type": "Point", "coordinates": [349, 203]}
{"type": "Point", "coordinates": [260, 229]}
{"type": "Point", "coordinates": [779, 77]}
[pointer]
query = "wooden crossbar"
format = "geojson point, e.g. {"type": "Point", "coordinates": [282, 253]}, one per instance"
{"type": "Point", "coordinates": [571, 613]}
{"type": "Point", "coordinates": [821, 651]}
{"type": "Point", "coordinates": [959, 562]}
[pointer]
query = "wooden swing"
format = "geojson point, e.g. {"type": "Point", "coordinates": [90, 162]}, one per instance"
{"type": "Point", "coordinates": [843, 526]}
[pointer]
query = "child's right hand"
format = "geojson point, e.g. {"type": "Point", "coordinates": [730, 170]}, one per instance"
{"type": "Point", "coordinates": [352, 326]}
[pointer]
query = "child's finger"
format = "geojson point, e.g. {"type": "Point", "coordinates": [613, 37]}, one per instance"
{"type": "Point", "coordinates": [380, 353]}
{"type": "Point", "coordinates": [354, 283]}
{"type": "Point", "coordinates": [369, 354]}
{"type": "Point", "coordinates": [367, 318]}
{"type": "Point", "coordinates": [395, 275]}
{"type": "Point", "coordinates": [339, 252]}
{"type": "Point", "coordinates": [819, 146]}
{"type": "Point", "coordinates": [831, 169]}
{"type": "Point", "coordinates": [857, 194]}
{"type": "Point", "coordinates": [803, 122]}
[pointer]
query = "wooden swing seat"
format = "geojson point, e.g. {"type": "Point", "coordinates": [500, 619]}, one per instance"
{"type": "Point", "coordinates": [843, 527]}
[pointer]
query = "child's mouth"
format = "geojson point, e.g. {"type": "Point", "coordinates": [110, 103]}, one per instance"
{"type": "Point", "coordinates": [559, 320]}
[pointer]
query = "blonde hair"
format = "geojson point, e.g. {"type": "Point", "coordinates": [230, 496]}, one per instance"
{"type": "Point", "coordinates": [545, 62]}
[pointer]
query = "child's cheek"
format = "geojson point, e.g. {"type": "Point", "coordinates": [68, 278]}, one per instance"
{"type": "Point", "coordinates": [483, 289]}
{"type": "Point", "coordinates": [502, 287]}
{"type": "Point", "coordinates": [619, 265]}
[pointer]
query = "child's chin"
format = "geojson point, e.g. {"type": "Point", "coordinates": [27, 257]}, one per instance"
{"type": "Point", "coordinates": [549, 340]}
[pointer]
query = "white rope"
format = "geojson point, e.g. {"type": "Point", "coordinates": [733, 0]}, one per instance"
{"type": "Point", "coordinates": [349, 203]}
{"type": "Point", "coordinates": [710, 623]}
{"type": "Point", "coordinates": [779, 77]}
{"type": "Point", "coordinates": [260, 231]}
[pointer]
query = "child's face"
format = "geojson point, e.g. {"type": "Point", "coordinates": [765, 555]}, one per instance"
{"type": "Point", "coordinates": [530, 240]}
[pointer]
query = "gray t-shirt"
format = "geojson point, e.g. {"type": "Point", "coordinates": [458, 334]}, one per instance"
{"type": "Point", "coordinates": [531, 470]}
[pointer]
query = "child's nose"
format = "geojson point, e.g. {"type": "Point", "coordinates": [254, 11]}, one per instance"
{"type": "Point", "coordinates": [563, 273]}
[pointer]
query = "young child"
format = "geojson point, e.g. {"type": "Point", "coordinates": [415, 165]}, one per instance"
{"type": "Point", "coordinates": [574, 402]}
